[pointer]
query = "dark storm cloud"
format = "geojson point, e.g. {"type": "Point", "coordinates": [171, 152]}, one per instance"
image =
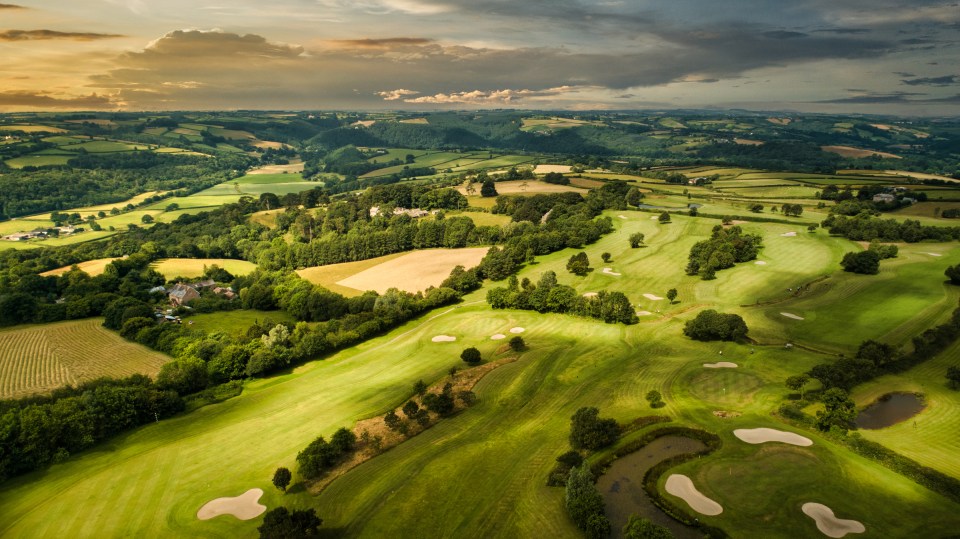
{"type": "Point", "coordinates": [28, 35]}
{"type": "Point", "coordinates": [844, 31]}
{"type": "Point", "coordinates": [783, 34]}
{"type": "Point", "coordinates": [383, 42]}
{"type": "Point", "coordinates": [41, 100]}
{"type": "Point", "coordinates": [876, 99]}
{"type": "Point", "coordinates": [947, 80]}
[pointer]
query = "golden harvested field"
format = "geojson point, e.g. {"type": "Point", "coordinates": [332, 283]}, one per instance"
{"type": "Point", "coordinates": [519, 187]}
{"type": "Point", "coordinates": [37, 359]}
{"type": "Point", "coordinates": [32, 128]}
{"type": "Point", "coordinates": [543, 169]}
{"type": "Point", "coordinates": [414, 271]}
{"type": "Point", "coordinates": [850, 151]}
{"type": "Point", "coordinates": [91, 267]}
{"type": "Point", "coordinates": [193, 267]}
{"type": "Point", "coordinates": [327, 276]}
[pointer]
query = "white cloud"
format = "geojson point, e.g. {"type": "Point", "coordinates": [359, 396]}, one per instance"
{"type": "Point", "coordinates": [394, 95]}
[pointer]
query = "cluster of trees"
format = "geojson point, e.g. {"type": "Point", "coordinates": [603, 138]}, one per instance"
{"type": "Point", "coordinates": [591, 432]}
{"type": "Point", "coordinates": [281, 523]}
{"type": "Point", "coordinates": [953, 273]}
{"type": "Point", "coordinates": [547, 295]}
{"type": "Point", "coordinates": [864, 262]}
{"type": "Point", "coordinates": [579, 264]}
{"type": "Point", "coordinates": [38, 431]}
{"type": "Point", "coordinates": [725, 248]}
{"type": "Point", "coordinates": [839, 411]}
{"type": "Point", "coordinates": [442, 404]}
{"type": "Point", "coordinates": [864, 227]}
{"type": "Point", "coordinates": [794, 210]}
{"type": "Point", "coordinates": [585, 503]}
{"type": "Point", "coordinates": [405, 195]}
{"type": "Point", "coordinates": [321, 455]}
{"type": "Point", "coordinates": [709, 325]}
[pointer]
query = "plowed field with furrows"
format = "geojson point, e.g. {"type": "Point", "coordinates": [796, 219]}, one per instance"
{"type": "Point", "coordinates": [37, 359]}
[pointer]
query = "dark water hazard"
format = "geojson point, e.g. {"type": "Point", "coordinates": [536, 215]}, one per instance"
{"type": "Point", "coordinates": [622, 485]}
{"type": "Point", "coordinates": [889, 410]}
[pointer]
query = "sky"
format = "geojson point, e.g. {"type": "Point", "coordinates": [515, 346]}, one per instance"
{"type": "Point", "coordinates": [835, 56]}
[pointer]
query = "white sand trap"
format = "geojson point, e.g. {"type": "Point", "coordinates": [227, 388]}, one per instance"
{"type": "Point", "coordinates": [590, 294]}
{"type": "Point", "coordinates": [721, 365]}
{"type": "Point", "coordinates": [622, 216]}
{"type": "Point", "coordinates": [763, 435]}
{"type": "Point", "coordinates": [443, 338]}
{"type": "Point", "coordinates": [655, 217]}
{"type": "Point", "coordinates": [933, 254]}
{"type": "Point", "coordinates": [828, 524]}
{"type": "Point", "coordinates": [652, 297]}
{"type": "Point", "coordinates": [517, 330]}
{"type": "Point", "coordinates": [760, 263]}
{"type": "Point", "coordinates": [609, 271]}
{"type": "Point", "coordinates": [682, 487]}
{"type": "Point", "coordinates": [644, 313]}
{"type": "Point", "coordinates": [498, 337]}
{"type": "Point", "coordinates": [244, 506]}
{"type": "Point", "coordinates": [788, 234]}
{"type": "Point", "coordinates": [791, 315]}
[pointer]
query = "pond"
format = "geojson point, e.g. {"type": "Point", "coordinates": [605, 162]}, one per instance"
{"type": "Point", "coordinates": [889, 409]}
{"type": "Point", "coordinates": [622, 485]}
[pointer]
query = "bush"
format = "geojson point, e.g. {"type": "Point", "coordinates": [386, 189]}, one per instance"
{"type": "Point", "coordinates": [280, 523]}
{"type": "Point", "coordinates": [471, 356]}
{"type": "Point", "coordinates": [517, 344]}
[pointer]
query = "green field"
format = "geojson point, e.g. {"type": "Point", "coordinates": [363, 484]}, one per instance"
{"type": "Point", "coordinates": [235, 322]}
{"type": "Point", "coordinates": [194, 267]}
{"type": "Point", "coordinates": [38, 160]}
{"type": "Point", "coordinates": [501, 450]}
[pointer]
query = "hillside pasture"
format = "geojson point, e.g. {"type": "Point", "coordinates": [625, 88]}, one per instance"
{"type": "Point", "coordinates": [35, 160]}
{"type": "Point", "coordinates": [194, 267]}
{"type": "Point", "coordinates": [414, 271]}
{"type": "Point", "coordinates": [328, 276]}
{"type": "Point", "coordinates": [37, 359]}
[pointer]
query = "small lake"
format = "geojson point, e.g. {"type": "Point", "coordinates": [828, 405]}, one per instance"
{"type": "Point", "coordinates": [622, 485]}
{"type": "Point", "coordinates": [889, 410]}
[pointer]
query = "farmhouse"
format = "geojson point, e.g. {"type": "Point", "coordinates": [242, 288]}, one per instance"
{"type": "Point", "coordinates": [181, 294]}
{"type": "Point", "coordinates": [225, 292]}
{"type": "Point", "coordinates": [415, 212]}
{"type": "Point", "coordinates": [884, 197]}
{"type": "Point", "coordinates": [24, 236]}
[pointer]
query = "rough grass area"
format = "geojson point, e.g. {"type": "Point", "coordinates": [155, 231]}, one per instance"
{"type": "Point", "coordinates": [414, 271]}
{"type": "Point", "coordinates": [37, 359]}
{"type": "Point", "coordinates": [194, 267]}
{"type": "Point", "coordinates": [236, 322]}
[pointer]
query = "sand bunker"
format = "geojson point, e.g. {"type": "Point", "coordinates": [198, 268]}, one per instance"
{"type": "Point", "coordinates": [644, 313]}
{"type": "Point", "coordinates": [682, 487]}
{"type": "Point", "coordinates": [828, 524]}
{"type": "Point", "coordinates": [791, 315]}
{"type": "Point", "coordinates": [760, 263]}
{"type": "Point", "coordinates": [788, 234]}
{"type": "Point", "coordinates": [590, 294]}
{"type": "Point", "coordinates": [244, 506]}
{"type": "Point", "coordinates": [622, 216]}
{"type": "Point", "coordinates": [652, 297]}
{"type": "Point", "coordinates": [655, 217]}
{"type": "Point", "coordinates": [443, 338]}
{"type": "Point", "coordinates": [609, 271]}
{"type": "Point", "coordinates": [721, 365]}
{"type": "Point", "coordinates": [763, 435]}
{"type": "Point", "coordinates": [497, 337]}
{"type": "Point", "coordinates": [933, 254]}
{"type": "Point", "coordinates": [517, 330]}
